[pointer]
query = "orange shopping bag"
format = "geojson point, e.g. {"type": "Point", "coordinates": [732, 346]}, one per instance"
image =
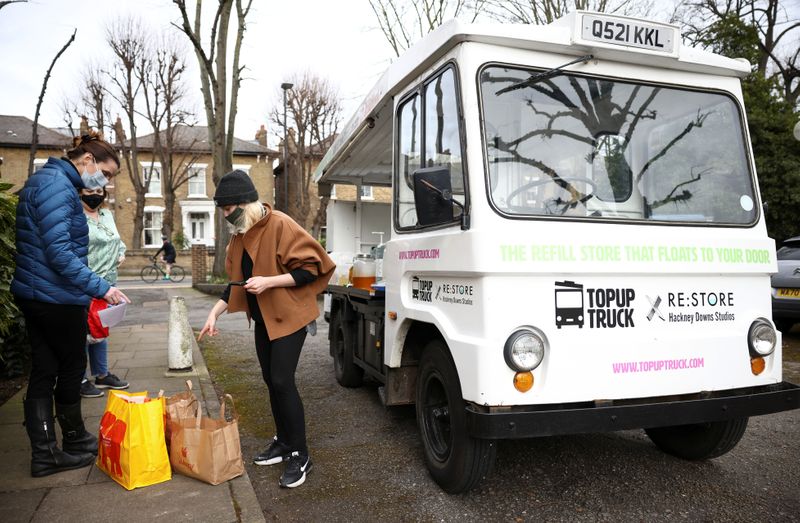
{"type": "Point", "coordinates": [132, 450]}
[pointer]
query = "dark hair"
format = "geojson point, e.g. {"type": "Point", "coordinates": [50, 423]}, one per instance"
{"type": "Point", "coordinates": [93, 144]}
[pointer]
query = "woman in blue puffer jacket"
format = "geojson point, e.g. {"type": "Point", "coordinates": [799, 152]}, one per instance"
{"type": "Point", "coordinates": [53, 287]}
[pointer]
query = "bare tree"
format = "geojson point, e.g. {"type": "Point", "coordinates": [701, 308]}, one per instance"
{"type": "Point", "coordinates": [403, 22]}
{"type": "Point", "coordinates": [164, 90]}
{"type": "Point", "coordinates": [127, 37]}
{"type": "Point", "coordinates": [313, 114]}
{"type": "Point", "coordinates": [35, 131]}
{"type": "Point", "coordinates": [540, 12]}
{"type": "Point", "coordinates": [779, 35]}
{"type": "Point", "coordinates": [214, 78]}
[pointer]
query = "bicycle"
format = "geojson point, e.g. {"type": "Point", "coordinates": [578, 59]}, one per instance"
{"type": "Point", "coordinates": [152, 272]}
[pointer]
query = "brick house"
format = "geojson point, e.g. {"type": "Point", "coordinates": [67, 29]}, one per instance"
{"type": "Point", "coordinates": [194, 211]}
{"type": "Point", "coordinates": [16, 134]}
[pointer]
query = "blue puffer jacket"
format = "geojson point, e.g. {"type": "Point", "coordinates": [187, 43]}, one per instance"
{"type": "Point", "coordinates": [53, 239]}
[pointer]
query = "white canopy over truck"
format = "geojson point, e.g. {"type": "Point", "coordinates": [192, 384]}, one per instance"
{"type": "Point", "coordinates": [577, 242]}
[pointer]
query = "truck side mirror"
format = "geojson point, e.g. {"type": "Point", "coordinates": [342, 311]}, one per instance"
{"type": "Point", "coordinates": [433, 196]}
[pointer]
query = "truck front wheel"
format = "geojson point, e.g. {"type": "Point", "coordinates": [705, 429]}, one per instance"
{"type": "Point", "coordinates": [456, 461]}
{"type": "Point", "coordinates": [700, 441]}
{"type": "Point", "coordinates": [348, 374]}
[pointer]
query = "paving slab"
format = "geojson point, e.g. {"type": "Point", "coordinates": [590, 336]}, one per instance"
{"type": "Point", "coordinates": [138, 354]}
{"type": "Point", "coordinates": [20, 506]}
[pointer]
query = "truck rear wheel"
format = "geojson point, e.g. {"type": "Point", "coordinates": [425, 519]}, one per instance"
{"type": "Point", "coordinates": [348, 374]}
{"type": "Point", "coordinates": [700, 441]}
{"type": "Point", "coordinates": [456, 461]}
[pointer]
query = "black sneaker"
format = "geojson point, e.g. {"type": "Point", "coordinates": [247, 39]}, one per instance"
{"type": "Point", "coordinates": [275, 453]}
{"type": "Point", "coordinates": [297, 467]}
{"type": "Point", "coordinates": [88, 390]}
{"type": "Point", "coordinates": [110, 382]}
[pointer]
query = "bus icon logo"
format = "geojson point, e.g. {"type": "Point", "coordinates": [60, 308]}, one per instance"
{"type": "Point", "coordinates": [569, 303]}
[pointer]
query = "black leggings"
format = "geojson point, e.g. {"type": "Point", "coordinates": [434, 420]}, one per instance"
{"type": "Point", "coordinates": [278, 359]}
{"type": "Point", "coordinates": [58, 349]}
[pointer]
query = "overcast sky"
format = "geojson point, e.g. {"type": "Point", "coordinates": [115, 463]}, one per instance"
{"type": "Point", "coordinates": [337, 39]}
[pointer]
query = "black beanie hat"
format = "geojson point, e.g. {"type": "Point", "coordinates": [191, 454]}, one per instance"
{"type": "Point", "coordinates": [234, 188]}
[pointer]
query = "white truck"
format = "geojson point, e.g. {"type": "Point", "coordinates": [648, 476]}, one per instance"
{"type": "Point", "coordinates": [577, 242]}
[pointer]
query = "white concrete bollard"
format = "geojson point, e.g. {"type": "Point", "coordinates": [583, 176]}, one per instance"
{"type": "Point", "coordinates": [180, 336]}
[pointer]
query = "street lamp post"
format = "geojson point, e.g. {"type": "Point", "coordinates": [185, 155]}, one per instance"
{"type": "Point", "coordinates": [285, 86]}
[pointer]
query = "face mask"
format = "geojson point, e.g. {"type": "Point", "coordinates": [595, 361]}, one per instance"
{"type": "Point", "coordinates": [96, 180]}
{"type": "Point", "coordinates": [93, 200]}
{"type": "Point", "coordinates": [233, 217]}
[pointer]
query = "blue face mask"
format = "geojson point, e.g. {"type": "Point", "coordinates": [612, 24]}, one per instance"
{"type": "Point", "coordinates": [96, 180]}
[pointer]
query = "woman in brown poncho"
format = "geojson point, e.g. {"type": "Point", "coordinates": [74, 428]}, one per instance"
{"type": "Point", "coordinates": [283, 269]}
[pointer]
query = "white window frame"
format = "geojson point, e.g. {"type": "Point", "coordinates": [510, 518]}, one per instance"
{"type": "Point", "coordinates": [206, 227]}
{"type": "Point", "coordinates": [333, 192]}
{"type": "Point", "coordinates": [154, 165]}
{"type": "Point", "coordinates": [366, 194]}
{"type": "Point", "coordinates": [197, 168]}
{"type": "Point", "coordinates": [38, 163]}
{"type": "Point", "coordinates": [242, 167]}
{"type": "Point", "coordinates": [157, 237]}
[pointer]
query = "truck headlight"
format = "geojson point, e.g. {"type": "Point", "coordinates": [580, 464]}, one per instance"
{"type": "Point", "coordinates": [524, 349]}
{"type": "Point", "coordinates": [761, 338]}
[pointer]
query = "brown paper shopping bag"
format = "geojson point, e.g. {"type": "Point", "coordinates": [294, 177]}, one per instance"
{"type": "Point", "coordinates": [180, 406]}
{"type": "Point", "coordinates": [205, 448]}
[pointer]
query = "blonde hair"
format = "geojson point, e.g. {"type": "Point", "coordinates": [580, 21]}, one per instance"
{"type": "Point", "coordinates": [253, 213]}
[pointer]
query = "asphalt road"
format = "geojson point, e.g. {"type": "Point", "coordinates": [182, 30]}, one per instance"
{"type": "Point", "coordinates": [368, 463]}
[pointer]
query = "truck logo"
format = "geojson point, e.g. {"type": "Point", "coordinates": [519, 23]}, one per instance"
{"type": "Point", "coordinates": [421, 290]}
{"type": "Point", "coordinates": [654, 308]}
{"type": "Point", "coordinates": [569, 303]}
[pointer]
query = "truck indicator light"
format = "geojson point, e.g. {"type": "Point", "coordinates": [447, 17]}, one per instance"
{"type": "Point", "coordinates": [757, 365]}
{"type": "Point", "coordinates": [523, 381]}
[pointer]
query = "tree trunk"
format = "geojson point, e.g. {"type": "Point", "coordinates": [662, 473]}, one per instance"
{"type": "Point", "coordinates": [35, 132]}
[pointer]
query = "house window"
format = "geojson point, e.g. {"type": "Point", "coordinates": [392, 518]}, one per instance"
{"type": "Point", "coordinates": [198, 223]}
{"type": "Point", "coordinates": [197, 180]}
{"type": "Point", "coordinates": [333, 192]}
{"type": "Point", "coordinates": [152, 227]}
{"type": "Point", "coordinates": [242, 167]}
{"type": "Point", "coordinates": [153, 172]}
{"type": "Point", "coordinates": [366, 192]}
{"type": "Point", "coordinates": [38, 163]}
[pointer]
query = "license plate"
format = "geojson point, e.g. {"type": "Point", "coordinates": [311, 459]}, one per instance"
{"type": "Point", "coordinates": [619, 31]}
{"type": "Point", "coordinates": [788, 293]}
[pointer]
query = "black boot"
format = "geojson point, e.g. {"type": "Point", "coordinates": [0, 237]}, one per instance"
{"type": "Point", "coordinates": [76, 439]}
{"type": "Point", "coordinates": [46, 457]}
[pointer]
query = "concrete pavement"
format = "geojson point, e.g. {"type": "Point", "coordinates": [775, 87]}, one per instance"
{"type": "Point", "coordinates": [138, 354]}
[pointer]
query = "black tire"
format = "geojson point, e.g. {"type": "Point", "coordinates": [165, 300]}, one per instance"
{"type": "Point", "coordinates": [700, 441]}
{"type": "Point", "coordinates": [348, 374]}
{"type": "Point", "coordinates": [149, 274]}
{"type": "Point", "coordinates": [784, 325]}
{"type": "Point", "coordinates": [177, 274]}
{"type": "Point", "coordinates": [456, 460]}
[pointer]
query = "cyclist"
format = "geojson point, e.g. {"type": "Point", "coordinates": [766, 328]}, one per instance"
{"type": "Point", "coordinates": [169, 256]}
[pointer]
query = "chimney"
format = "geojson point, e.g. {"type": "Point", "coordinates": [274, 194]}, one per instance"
{"type": "Point", "coordinates": [84, 125]}
{"type": "Point", "coordinates": [119, 131]}
{"type": "Point", "coordinates": [261, 136]}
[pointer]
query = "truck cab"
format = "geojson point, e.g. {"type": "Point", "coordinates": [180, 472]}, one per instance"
{"type": "Point", "coordinates": [577, 242]}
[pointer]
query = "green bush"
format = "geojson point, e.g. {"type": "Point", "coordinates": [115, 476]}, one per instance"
{"type": "Point", "coordinates": [13, 341]}
{"type": "Point", "coordinates": [181, 242]}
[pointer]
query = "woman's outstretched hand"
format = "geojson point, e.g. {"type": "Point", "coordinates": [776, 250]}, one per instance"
{"type": "Point", "coordinates": [209, 328]}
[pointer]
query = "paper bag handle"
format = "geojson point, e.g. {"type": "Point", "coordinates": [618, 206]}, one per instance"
{"type": "Point", "coordinates": [189, 385]}
{"type": "Point", "coordinates": [199, 413]}
{"type": "Point", "coordinates": [222, 407]}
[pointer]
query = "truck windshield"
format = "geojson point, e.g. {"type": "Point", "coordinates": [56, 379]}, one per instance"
{"type": "Point", "coordinates": [596, 148]}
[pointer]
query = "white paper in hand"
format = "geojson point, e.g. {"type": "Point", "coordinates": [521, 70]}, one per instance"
{"type": "Point", "coordinates": [112, 315]}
